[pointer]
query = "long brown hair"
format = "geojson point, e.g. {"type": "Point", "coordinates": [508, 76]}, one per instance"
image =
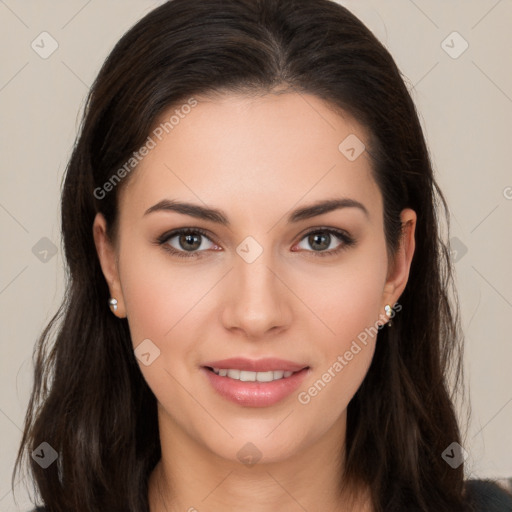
{"type": "Point", "coordinates": [90, 402]}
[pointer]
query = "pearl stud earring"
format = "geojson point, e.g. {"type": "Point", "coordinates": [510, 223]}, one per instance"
{"type": "Point", "coordinates": [387, 309]}
{"type": "Point", "coordinates": [112, 303]}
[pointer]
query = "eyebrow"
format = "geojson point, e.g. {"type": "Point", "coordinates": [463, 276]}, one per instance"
{"type": "Point", "coordinates": [219, 217]}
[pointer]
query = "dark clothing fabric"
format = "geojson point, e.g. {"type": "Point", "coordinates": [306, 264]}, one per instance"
{"type": "Point", "coordinates": [488, 496]}
{"type": "Point", "coordinates": [485, 496]}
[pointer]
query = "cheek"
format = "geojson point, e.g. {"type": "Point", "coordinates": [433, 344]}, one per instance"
{"type": "Point", "coordinates": [349, 303]}
{"type": "Point", "coordinates": [159, 295]}
{"type": "Point", "coordinates": [348, 298]}
{"type": "Point", "coordinates": [161, 302]}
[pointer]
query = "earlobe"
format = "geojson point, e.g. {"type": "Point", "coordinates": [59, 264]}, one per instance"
{"type": "Point", "coordinates": [108, 262]}
{"type": "Point", "coordinates": [401, 265]}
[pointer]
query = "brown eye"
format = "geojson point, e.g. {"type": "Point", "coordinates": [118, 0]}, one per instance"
{"type": "Point", "coordinates": [189, 242]}
{"type": "Point", "coordinates": [319, 241]}
{"type": "Point", "coordinates": [322, 242]}
{"type": "Point", "coordinates": [186, 242]}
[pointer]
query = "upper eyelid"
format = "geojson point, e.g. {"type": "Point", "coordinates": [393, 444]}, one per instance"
{"type": "Point", "coordinates": [185, 230]}
{"type": "Point", "coordinates": [335, 231]}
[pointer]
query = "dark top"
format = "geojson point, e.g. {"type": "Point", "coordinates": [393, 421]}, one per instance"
{"type": "Point", "coordinates": [488, 496]}
{"type": "Point", "coordinates": [484, 494]}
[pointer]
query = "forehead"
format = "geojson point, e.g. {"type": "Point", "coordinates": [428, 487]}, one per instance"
{"type": "Point", "coordinates": [255, 153]}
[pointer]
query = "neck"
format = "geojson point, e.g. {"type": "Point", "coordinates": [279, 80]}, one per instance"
{"type": "Point", "coordinates": [191, 478]}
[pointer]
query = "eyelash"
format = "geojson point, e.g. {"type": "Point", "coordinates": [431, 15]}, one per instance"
{"type": "Point", "coordinates": [347, 241]}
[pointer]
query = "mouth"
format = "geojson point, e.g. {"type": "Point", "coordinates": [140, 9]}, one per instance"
{"type": "Point", "coordinates": [252, 383]}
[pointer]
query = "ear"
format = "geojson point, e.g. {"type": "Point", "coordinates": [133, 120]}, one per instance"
{"type": "Point", "coordinates": [109, 263]}
{"type": "Point", "coordinates": [398, 271]}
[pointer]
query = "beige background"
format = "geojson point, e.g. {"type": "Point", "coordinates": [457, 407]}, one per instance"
{"type": "Point", "coordinates": [466, 109]}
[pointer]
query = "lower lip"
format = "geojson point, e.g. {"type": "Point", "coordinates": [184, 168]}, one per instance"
{"type": "Point", "coordinates": [255, 394]}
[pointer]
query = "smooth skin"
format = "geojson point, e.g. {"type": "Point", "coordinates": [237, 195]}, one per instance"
{"type": "Point", "coordinates": [257, 159]}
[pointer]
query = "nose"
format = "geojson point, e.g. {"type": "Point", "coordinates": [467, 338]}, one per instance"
{"type": "Point", "coordinates": [256, 300]}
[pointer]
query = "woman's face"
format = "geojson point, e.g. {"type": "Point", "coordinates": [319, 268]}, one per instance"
{"type": "Point", "coordinates": [261, 278]}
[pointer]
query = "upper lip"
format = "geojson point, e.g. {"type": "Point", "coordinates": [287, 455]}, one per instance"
{"type": "Point", "coordinates": [256, 365]}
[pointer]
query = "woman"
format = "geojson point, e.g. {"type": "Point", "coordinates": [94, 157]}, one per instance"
{"type": "Point", "coordinates": [249, 202]}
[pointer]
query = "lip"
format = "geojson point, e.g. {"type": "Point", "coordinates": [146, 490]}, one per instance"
{"type": "Point", "coordinates": [255, 394]}
{"type": "Point", "coordinates": [256, 365]}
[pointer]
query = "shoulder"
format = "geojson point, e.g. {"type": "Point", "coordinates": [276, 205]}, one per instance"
{"type": "Point", "coordinates": [488, 496]}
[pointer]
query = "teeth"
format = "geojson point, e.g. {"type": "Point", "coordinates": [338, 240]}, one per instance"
{"type": "Point", "coordinates": [266, 376]}
{"type": "Point", "coordinates": [246, 376]}
{"type": "Point", "coordinates": [233, 374]}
